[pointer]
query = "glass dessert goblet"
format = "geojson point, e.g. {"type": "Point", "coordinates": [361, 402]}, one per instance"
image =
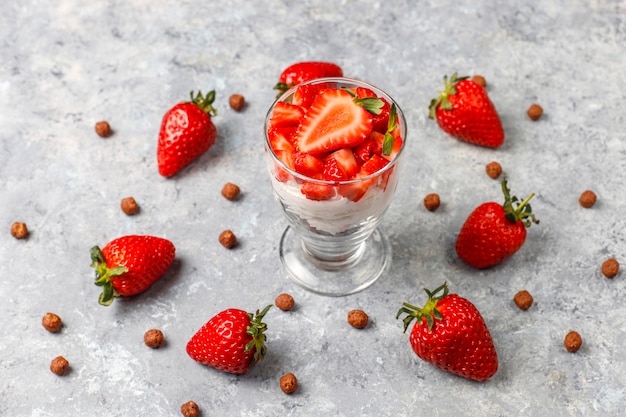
{"type": "Point", "coordinates": [334, 191]}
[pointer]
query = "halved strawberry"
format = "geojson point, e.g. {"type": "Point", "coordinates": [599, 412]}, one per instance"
{"type": "Point", "coordinates": [317, 191]}
{"type": "Point", "coordinates": [309, 165]}
{"type": "Point", "coordinates": [305, 94]}
{"type": "Point", "coordinates": [363, 151]}
{"type": "Point", "coordinates": [280, 139]}
{"type": "Point", "coordinates": [286, 157]}
{"type": "Point", "coordinates": [378, 140]}
{"type": "Point", "coordinates": [346, 161]}
{"type": "Point", "coordinates": [397, 145]}
{"type": "Point", "coordinates": [285, 115]}
{"type": "Point", "coordinates": [333, 121]}
{"type": "Point", "coordinates": [332, 171]}
{"type": "Point", "coordinates": [375, 164]}
{"type": "Point", "coordinates": [355, 191]}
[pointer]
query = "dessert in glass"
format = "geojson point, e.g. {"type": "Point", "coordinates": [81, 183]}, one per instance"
{"type": "Point", "coordinates": [333, 148]}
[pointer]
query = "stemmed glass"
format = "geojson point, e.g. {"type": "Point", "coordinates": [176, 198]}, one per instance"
{"type": "Point", "coordinates": [333, 246]}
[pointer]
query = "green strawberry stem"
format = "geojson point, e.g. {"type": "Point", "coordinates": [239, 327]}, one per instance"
{"type": "Point", "coordinates": [257, 329]}
{"type": "Point", "coordinates": [428, 312]}
{"type": "Point", "coordinates": [205, 103]}
{"type": "Point", "coordinates": [103, 276]}
{"type": "Point", "coordinates": [392, 124]}
{"type": "Point", "coordinates": [520, 212]}
{"type": "Point", "coordinates": [448, 90]}
{"type": "Point", "coordinates": [373, 105]}
{"type": "Point", "coordinates": [282, 88]}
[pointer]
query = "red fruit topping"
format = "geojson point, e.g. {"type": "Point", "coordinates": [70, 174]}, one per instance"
{"type": "Point", "coordinates": [318, 191]}
{"type": "Point", "coordinates": [333, 121]}
{"type": "Point", "coordinates": [287, 158]}
{"type": "Point", "coordinates": [285, 115]}
{"type": "Point", "coordinates": [280, 139]}
{"type": "Point", "coordinates": [355, 191]}
{"type": "Point", "coordinates": [306, 93]}
{"type": "Point", "coordinates": [346, 161]}
{"type": "Point", "coordinates": [380, 120]}
{"type": "Point", "coordinates": [332, 171]}
{"type": "Point", "coordinates": [308, 165]}
{"type": "Point", "coordinates": [378, 144]}
{"type": "Point", "coordinates": [363, 152]}
{"type": "Point", "coordinates": [373, 165]}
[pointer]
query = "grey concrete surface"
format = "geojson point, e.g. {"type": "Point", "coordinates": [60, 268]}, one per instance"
{"type": "Point", "coordinates": [66, 65]}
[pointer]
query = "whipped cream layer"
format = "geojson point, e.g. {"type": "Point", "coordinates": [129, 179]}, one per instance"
{"type": "Point", "coordinates": [335, 215]}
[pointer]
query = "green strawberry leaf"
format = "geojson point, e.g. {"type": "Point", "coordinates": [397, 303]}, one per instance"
{"type": "Point", "coordinates": [103, 276]}
{"type": "Point", "coordinates": [517, 211]}
{"type": "Point", "coordinates": [429, 312]}
{"type": "Point", "coordinates": [442, 99]}
{"type": "Point", "coordinates": [392, 124]}
{"type": "Point", "coordinates": [205, 103]}
{"type": "Point", "coordinates": [373, 105]}
{"type": "Point", "coordinates": [282, 88]}
{"type": "Point", "coordinates": [256, 330]}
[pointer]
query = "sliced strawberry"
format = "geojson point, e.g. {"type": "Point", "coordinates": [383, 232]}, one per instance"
{"type": "Point", "coordinates": [355, 191]}
{"type": "Point", "coordinates": [280, 139]}
{"type": "Point", "coordinates": [375, 164]}
{"type": "Point", "coordinates": [308, 165]}
{"type": "Point", "coordinates": [333, 121]}
{"type": "Point", "coordinates": [285, 115]}
{"type": "Point", "coordinates": [363, 151]}
{"type": "Point", "coordinates": [286, 158]}
{"type": "Point", "coordinates": [346, 161]}
{"type": "Point", "coordinates": [397, 145]}
{"type": "Point", "coordinates": [378, 140]}
{"type": "Point", "coordinates": [332, 171]}
{"type": "Point", "coordinates": [305, 94]}
{"type": "Point", "coordinates": [380, 120]}
{"type": "Point", "coordinates": [317, 191]}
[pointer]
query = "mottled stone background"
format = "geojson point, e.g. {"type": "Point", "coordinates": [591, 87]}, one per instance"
{"type": "Point", "coordinates": [66, 64]}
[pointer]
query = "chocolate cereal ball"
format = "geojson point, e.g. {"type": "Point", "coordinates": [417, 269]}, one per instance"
{"type": "Point", "coordinates": [358, 319]}
{"type": "Point", "coordinates": [59, 365]}
{"type": "Point", "coordinates": [51, 322]}
{"type": "Point", "coordinates": [153, 338]}
{"type": "Point", "coordinates": [288, 383]}
{"type": "Point", "coordinates": [572, 341]}
{"type": "Point", "coordinates": [284, 302]}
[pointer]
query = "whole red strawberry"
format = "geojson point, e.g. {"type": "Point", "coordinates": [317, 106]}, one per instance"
{"type": "Point", "coordinates": [306, 71]}
{"type": "Point", "coordinates": [451, 334]}
{"type": "Point", "coordinates": [493, 232]}
{"type": "Point", "coordinates": [464, 110]}
{"type": "Point", "coordinates": [187, 132]}
{"type": "Point", "coordinates": [130, 264]}
{"type": "Point", "coordinates": [232, 341]}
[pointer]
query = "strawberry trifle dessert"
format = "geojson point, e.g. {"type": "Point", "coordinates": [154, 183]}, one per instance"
{"type": "Point", "coordinates": [333, 147]}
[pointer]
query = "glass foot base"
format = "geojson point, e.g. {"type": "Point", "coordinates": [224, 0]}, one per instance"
{"type": "Point", "coordinates": [335, 278]}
